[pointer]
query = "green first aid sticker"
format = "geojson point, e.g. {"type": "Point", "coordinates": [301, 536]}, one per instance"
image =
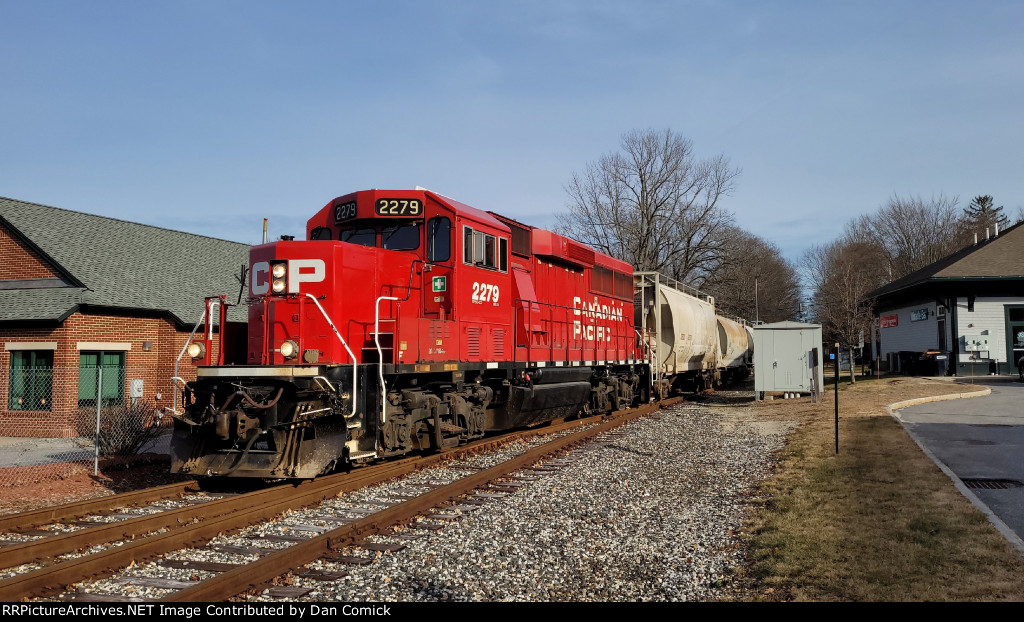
{"type": "Point", "coordinates": [440, 283]}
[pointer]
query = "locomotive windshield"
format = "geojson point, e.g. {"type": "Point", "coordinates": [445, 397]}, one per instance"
{"type": "Point", "coordinates": [404, 237]}
{"type": "Point", "coordinates": [363, 236]}
{"type": "Point", "coordinates": [400, 237]}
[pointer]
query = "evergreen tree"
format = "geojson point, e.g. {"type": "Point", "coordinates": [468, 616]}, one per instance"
{"type": "Point", "coordinates": [982, 214]}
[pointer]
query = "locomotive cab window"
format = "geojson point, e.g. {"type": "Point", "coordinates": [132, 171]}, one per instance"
{"type": "Point", "coordinates": [320, 233]}
{"type": "Point", "coordinates": [439, 239]}
{"type": "Point", "coordinates": [484, 250]}
{"type": "Point", "coordinates": [365, 236]}
{"type": "Point", "coordinates": [403, 237]}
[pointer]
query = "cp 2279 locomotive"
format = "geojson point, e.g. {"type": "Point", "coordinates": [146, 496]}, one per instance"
{"type": "Point", "coordinates": [408, 321]}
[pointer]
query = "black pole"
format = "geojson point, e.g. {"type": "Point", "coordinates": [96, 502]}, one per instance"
{"type": "Point", "coordinates": [837, 396]}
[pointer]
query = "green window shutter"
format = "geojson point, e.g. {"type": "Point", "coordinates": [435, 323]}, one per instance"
{"type": "Point", "coordinates": [88, 370]}
{"type": "Point", "coordinates": [113, 376]}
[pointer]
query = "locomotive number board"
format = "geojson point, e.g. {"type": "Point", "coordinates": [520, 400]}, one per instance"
{"type": "Point", "coordinates": [345, 211]}
{"type": "Point", "coordinates": [398, 207]}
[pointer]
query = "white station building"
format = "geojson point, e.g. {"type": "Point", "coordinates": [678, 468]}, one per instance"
{"type": "Point", "coordinates": [965, 310]}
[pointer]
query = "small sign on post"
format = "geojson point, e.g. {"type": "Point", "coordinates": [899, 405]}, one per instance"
{"type": "Point", "coordinates": [837, 397]}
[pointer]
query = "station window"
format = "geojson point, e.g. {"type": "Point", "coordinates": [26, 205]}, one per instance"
{"type": "Point", "coordinates": [31, 385]}
{"type": "Point", "coordinates": [439, 236]}
{"type": "Point", "coordinates": [101, 374]}
{"type": "Point", "coordinates": [484, 250]}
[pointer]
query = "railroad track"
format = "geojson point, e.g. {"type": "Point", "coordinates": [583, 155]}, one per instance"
{"type": "Point", "coordinates": [136, 540]}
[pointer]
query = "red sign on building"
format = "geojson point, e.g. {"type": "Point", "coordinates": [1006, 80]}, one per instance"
{"type": "Point", "coordinates": [888, 321]}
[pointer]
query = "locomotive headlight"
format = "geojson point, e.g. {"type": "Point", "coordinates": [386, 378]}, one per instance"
{"type": "Point", "coordinates": [196, 350]}
{"type": "Point", "coordinates": [289, 349]}
{"type": "Point", "coordinates": [278, 275]}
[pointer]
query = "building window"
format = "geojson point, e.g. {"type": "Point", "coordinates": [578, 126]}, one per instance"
{"type": "Point", "coordinates": [94, 365]}
{"type": "Point", "coordinates": [31, 386]}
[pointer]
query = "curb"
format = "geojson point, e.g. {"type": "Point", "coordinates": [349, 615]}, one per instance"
{"type": "Point", "coordinates": [997, 522]}
{"type": "Point", "coordinates": [936, 398]}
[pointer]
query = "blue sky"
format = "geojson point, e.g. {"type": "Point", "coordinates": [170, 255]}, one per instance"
{"type": "Point", "coordinates": [208, 116]}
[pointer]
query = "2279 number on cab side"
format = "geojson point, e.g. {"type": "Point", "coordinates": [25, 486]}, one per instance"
{"type": "Point", "coordinates": [485, 292]}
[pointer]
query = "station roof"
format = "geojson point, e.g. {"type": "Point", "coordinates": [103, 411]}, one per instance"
{"type": "Point", "coordinates": [106, 263]}
{"type": "Point", "coordinates": [991, 267]}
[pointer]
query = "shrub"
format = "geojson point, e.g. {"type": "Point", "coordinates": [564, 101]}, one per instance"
{"type": "Point", "coordinates": [124, 428]}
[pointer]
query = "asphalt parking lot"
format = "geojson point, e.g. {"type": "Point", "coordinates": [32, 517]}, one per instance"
{"type": "Point", "coordinates": [981, 440]}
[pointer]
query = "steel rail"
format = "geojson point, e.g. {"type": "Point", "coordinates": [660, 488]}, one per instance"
{"type": "Point", "coordinates": [210, 519]}
{"type": "Point", "coordinates": [77, 509]}
{"type": "Point", "coordinates": [56, 545]}
{"type": "Point", "coordinates": [237, 580]}
{"type": "Point", "coordinates": [241, 514]}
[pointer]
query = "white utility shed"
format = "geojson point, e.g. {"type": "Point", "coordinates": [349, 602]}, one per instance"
{"type": "Point", "coordinates": [787, 357]}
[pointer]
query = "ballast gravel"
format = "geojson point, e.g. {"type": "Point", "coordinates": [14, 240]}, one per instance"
{"type": "Point", "coordinates": [648, 512]}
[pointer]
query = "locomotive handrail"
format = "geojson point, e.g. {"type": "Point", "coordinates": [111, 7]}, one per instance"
{"type": "Point", "coordinates": [380, 354]}
{"type": "Point", "coordinates": [355, 375]}
{"type": "Point", "coordinates": [174, 402]}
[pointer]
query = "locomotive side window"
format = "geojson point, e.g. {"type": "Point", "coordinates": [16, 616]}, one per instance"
{"type": "Point", "coordinates": [467, 245]}
{"type": "Point", "coordinates": [488, 251]}
{"type": "Point", "coordinates": [484, 250]}
{"type": "Point", "coordinates": [363, 237]}
{"type": "Point", "coordinates": [404, 237]}
{"type": "Point", "coordinates": [439, 239]}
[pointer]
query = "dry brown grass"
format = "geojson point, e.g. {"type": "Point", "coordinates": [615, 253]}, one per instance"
{"type": "Point", "coordinates": [877, 522]}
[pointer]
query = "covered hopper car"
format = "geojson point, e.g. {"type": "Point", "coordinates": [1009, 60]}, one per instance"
{"type": "Point", "coordinates": [693, 349]}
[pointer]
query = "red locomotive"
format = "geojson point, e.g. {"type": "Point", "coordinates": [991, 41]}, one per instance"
{"type": "Point", "coordinates": [408, 321]}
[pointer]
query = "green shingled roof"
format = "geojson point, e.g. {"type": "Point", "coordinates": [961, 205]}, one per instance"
{"type": "Point", "coordinates": [121, 264]}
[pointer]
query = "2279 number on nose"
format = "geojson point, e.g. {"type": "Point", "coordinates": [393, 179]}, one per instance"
{"type": "Point", "coordinates": [398, 207]}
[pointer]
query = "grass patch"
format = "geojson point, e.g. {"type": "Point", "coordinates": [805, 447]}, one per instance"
{"type": "Point", "coordinates": [877, 522]}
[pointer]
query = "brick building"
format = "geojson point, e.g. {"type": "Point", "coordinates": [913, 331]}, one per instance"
{"type": "Point", "coordinates": [98, 308]}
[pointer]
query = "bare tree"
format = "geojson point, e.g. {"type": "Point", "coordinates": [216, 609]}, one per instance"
{"type": "Point", "coordinates": [840, 274]}
{"type": "Point", "coordinates": [909, 233]}
{"type": "Point", "coordinates": [653, 204]}
{"type": "Point", "coordinates": [752, 280]}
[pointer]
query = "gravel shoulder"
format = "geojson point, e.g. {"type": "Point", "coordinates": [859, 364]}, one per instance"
{"type": "Point", "coordinates": [652, 513]}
